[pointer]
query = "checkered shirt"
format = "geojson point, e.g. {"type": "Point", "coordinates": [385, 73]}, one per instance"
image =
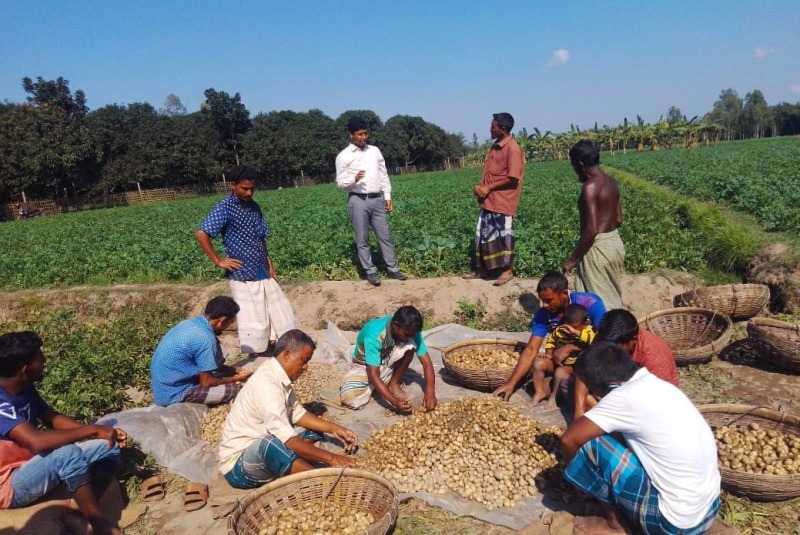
{"type": "Point", "coordinates": [243, 232]}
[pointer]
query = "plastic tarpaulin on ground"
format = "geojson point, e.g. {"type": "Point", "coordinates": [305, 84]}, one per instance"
{"type": "Point", "coordinates": [172, 434]}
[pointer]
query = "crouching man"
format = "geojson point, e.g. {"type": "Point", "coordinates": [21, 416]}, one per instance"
{"type": "Point", "coordinates": [384, 349]}
{"type": "Point", "coordinates": [34, 461]}
{"type": "Point", "coordinates": [267, 433]}
{"type": "Point", "coordinates": [663, 478]}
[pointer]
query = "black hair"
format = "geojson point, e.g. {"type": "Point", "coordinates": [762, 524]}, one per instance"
{"type": "Point", "coordinates": [575, 314]}
{"type": "Point", "coordinates": [294, 341]}
{"type": "Point", "coordinates": [552, 280]}
{"type": "Point", "coordinates": [240, 173]}
{"type": "Point", "coordinates": [17, 350]}
{"type": "Point", "coordinates": [222, 306]}
{"type": "Point", "coordinates": [408, 317]}
{"type": "Point", "coordinates": [586, 152]}
{"type": "Point", "coordinates": [504, 121]}
{"type": "Point", "coordinates": [602, 364]}
{"type": "Point", "coordinates": [356, 123]}
{"type": "Point", "coordinates": [618, 326]}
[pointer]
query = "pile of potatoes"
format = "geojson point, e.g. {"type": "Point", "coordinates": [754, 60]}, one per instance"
{"type": "Point", "coordinates": [317, 518]}
{"type": "Point", "coordinates": [213, 422]}
{"type": "Point", "coordinates": [481, 448]}
{"type": "Point", "coordinates": [480, 358]}
{"type": "Point", "coordinates": [317, 377]}
{"type": "Point", "coordinates": [755, 450]}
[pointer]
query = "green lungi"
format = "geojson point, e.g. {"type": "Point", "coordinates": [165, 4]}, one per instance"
{"type": "Point", "coordinates": [600, 269]}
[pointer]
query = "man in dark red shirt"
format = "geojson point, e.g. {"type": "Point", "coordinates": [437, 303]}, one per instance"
{"type": "Point", "coordinates": [498, 194]}
{"type": "Point", "coordinates": [647, 349]}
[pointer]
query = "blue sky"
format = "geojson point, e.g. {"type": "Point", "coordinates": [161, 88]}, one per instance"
{"type": "Point", "coordinates": [550, 64]}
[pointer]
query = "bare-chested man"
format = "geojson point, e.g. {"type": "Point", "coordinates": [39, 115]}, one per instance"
{"type": "Point", "coordinates": [599, 253]}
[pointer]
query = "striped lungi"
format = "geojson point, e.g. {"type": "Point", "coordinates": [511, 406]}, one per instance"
{"type": "Point", "coordinates": [356, 391]}
{"type": "Point", "coordinates": [264, 313]}
{"type": "Point", "coordinates": [608, 471]}
{"type": "Point", "coordinates": [212, 395]}
{"type": "Point", "coordinates": [494, 241]}
{"type": "Point", "coordinates": [600, 269]}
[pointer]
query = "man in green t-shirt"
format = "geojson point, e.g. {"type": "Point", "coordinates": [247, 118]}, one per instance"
{"type": "Point", "coordinates": [384, 349]}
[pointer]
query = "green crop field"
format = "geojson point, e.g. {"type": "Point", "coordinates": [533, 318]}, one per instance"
{"type": "Point", "coordinates": [432, 226]}
{"type": "Point", "coordinates": [761, 178]}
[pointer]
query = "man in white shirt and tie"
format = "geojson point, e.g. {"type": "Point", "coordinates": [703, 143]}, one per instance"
{"type": "Point", "coordinates": [361, 171]}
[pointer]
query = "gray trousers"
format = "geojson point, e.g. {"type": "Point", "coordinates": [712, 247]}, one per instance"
{"type": "Point", "coordinates": [366, 213]}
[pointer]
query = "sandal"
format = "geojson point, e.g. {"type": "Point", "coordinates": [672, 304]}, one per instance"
{"type": "Point", "coordinates": [502, 280]}
{"type": "Point", "coordinates": [153, 489]}
{"type": "Point", "coordinates": [471, 276]}
{"type": "Point", "coordinates": [195, 496]}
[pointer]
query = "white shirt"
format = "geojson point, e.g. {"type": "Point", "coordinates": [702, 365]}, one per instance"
{"type": "Point", "coordinates": [352, 160]}
{"type": "Point", "coordinates": [266, 405]}
{"type": "Point", "coordinates": [671, 439]}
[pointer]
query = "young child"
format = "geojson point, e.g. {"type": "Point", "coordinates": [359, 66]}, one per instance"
{"type": "Point", "coordinates": [576, 331]}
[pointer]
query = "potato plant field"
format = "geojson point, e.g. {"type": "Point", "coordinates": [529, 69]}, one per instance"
{"type": "Point", "coordinates": [761, 178]}
{"type": "Point", "coordinates": [432, 225]}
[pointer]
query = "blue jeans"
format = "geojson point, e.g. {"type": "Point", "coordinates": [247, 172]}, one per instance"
{"type": "Point", "coordinates": [69, 464]}
{"type": "Point", "coordinates": [264, 460]}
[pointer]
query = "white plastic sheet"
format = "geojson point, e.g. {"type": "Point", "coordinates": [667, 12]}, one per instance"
{"type": "Point", "coordinates": [172, 434]}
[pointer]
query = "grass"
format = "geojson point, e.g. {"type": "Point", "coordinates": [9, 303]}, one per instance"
{"type": "Point", "coordinates": [755, 518]}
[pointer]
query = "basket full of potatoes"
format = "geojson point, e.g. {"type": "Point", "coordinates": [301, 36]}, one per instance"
{"type": "Point", "coordinates": [758, 450]}
{"type": "Point", "coordinates": [482, 364]}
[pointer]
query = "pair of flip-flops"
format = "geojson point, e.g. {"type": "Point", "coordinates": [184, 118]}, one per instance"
{"type": "Point", "coordinates": [195, 495]}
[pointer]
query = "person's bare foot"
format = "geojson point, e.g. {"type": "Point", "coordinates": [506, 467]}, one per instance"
{"type": "Point", "coordinates": [551, 403]}
{"type": "Point", "coordinates": [101, 526]}
{"type": "Point", "coordinates": [537, 398]}
{"type": "Point", "coordinates": [398, 392]}
{"type": "Point", "coordinates": [596, 525]}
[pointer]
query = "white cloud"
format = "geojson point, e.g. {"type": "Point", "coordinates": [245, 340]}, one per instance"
{"type": "Point", "coordinates": [761, 52]}
{"type": "Point", "coordinates": [794, 90]}
{"type": "Point", "coordinates": [560, 57]}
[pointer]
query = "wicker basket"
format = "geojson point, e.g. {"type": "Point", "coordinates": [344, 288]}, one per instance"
{"type": "Point", "coordinates": [737, 301]}
{"type": "Point", "coordinates": [757, 487]}
{"type": "Point", "coordinates": [695, 335]}
{"type": "Point", "coordinates": [485, 379]}
{"type": "Point", "coordinates": [776, 341]}
{"type": "Point", "coordinates": [363, 490]}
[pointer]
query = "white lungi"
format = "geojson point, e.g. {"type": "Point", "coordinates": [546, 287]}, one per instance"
{"type": "Point", "coordinates": [265, 313]}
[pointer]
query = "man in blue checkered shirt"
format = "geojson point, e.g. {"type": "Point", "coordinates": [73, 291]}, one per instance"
{"type": "Point", "coordinates": [188, 364]}
{"type": "Point", "coordinates": [265, 310]}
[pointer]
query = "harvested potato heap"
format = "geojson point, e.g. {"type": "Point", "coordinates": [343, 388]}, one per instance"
{"type": "Point", "coordinates": [755, 450]}
{"type": "Point", "coordinates": [484, 358]}
{"type": "Point", "coordinates": [316, 377]}
{"type": "Point", "coordinates": [213, 422]}
{"type": "Point", "coordinates": [317, 518]}
{"type": "Point", "coordinates": [480, 448]}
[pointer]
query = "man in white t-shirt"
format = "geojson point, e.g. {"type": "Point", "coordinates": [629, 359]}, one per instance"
{"type": "Point", "coordinates": [267, 433]}
{"type": "Point", "coordinates": [663, 478]}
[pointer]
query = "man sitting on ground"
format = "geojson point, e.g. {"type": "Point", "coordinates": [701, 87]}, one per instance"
{"type": "Point", "coordinates": [555, 297]}
{"type": "Point", "coordinates": [34, 461]}
{"type": "Point", "coordinates": [267, 433]}
{"type": "Point", "coordinates": [663, 478]}
{"type": "Point", "coordinates": [188, 364]}
{"type": "Point", "coordinates": [647, 349]}
{"type": "Point", "coordinates": [384, 349]}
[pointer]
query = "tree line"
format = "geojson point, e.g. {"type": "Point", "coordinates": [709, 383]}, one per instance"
{"type": "Point", "coordinates": [731, 118]}
{"type": "Point", "coordinates": [53, 145]}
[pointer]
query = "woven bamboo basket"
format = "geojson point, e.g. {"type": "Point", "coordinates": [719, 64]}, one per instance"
{"type": "Point", "coordinates": [485, 379]}
{"type": "Point", "coordinates": [776, 341]}
{"type": "Point", "coordinates": [694, 334]}
{"type": "Point", "coordinates": [737, 301]}
{"type": "Point", "coordinates": [361, 489]}
{"type": "Point", "coordinates": [757, 487]}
